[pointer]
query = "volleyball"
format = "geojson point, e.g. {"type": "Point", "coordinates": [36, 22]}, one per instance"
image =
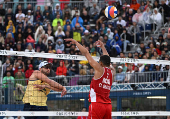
{"type": "Point", "coordinates": [111, 12]}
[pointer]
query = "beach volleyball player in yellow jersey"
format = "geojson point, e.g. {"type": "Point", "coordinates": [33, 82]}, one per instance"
{"type": "Point", "coordinates": [39, 86]}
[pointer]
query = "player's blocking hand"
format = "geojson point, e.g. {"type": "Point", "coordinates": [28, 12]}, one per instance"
{"type": "Point", "coordinates": [64, 91]}
{"type": "Point", "coordinates": [71, 40]}
{"type": "Point", "coordinates": [99, 44]}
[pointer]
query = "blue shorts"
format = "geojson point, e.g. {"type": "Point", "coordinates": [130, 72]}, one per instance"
{"type": "Point", "coordinates": [28, 107]}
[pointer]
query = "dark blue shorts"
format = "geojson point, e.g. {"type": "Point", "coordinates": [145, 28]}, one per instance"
{"type": "Point", "coordinates": [28, 107]}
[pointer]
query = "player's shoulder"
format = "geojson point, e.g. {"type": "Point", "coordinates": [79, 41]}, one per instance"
{"type": "Point", "coordinates": [36, 71]}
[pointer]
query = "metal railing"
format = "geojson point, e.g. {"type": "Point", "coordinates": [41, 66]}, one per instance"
{"type": "Point", "coordinates": [52, 3]}
{"type": "Point", "coordinates": [14, 91]}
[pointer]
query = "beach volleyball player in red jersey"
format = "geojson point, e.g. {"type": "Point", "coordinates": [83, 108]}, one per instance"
{"type": "Point", "coordinates": [100, 107]}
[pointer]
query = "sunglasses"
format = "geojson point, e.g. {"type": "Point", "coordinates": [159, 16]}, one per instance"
{"type": "Point", "coordinates": [47, 67]}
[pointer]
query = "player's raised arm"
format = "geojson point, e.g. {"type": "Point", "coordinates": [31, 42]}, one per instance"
{"type": "Point", "coordinates": [54, 85]}
{"type": "Point", "coordinates": [86, 53]}
{"type": "Point", "coordinates": [101, 45]}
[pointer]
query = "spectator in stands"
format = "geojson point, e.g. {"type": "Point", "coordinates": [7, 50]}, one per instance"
{"type": "Point", "coordinates": [67, 15]}
{"type": "Point", "coordinates": [9, 16]}
{"type": "Point", "coordinates": [66, 8]}
{"type": "Point", "coordinates": [57, 10]}
{"type": "Point", "coordinates": [166, 10]}
{"type": "Point", "coordinates": [164, 33]}
{"type": "Point", "coordinates": [77, 21]}
{"type": "Point", "coordinates": [19, 7]}
{"type": "Point", "coordinates": [94, 12]}
{"type": "Point", "coordinates": [55, 21]}
{"type": "Point", "coordinates": [137, 17]}
{"type": "Point", "coordinates": [135, 30]}
{"type": "Point", "coordinates": [5, 65]}
{"type": "Point", "coordinates": [30, 16]}
{"type": "Point", "coordinates": [120, 76]}
{"type": "Point", "coordinates": [48, 17]}
{"type": "Point", "coordinates": [156, 4]}
{"type": "Point", "coordinates": [146, 16]}
{"type": "Point", "coordinates": [1, 39]}
{"type": "Point", "coordinates": [29, 71]}
{"type": "Point", "coordinates": [19, 78]}
{"type": "Point", "coordinates": [46, 9]}
{"type": "Point", "coordinates": [20, 16]}
{"type": "Point", "coordinates": [38, 33]}
{"type": "Point", "coordinates": [59, 32]}
{"type": "Point", "coordinates": [8, 78]}
{"type": "Point", "coordinates": [74, 11]}
{"type": "Point", "coordinates": [156, 18]}
{"type": "Point", "coordinates": [86, 18]}
{"type": "Point", "coordinates": [39, 9]}
{"type": "Point", "coordinates": [29, 7]}
{"type": "Point", "coordinates": [59, 45]}
{"type": "Point", "coordinates": [86, 36]}
{"type": "Point", "coordinates": [109, 34]}
{"type": "Point", "coordinates": [129, 73]}
{"type": "Point", "coordinates": [9, 69]}
{"type": "Point", "coordinates": [10, 27]}
{"type": "Point", "coordinates": [41, 45]}
{"type": "Point", "coordinates": [29, 36]}
{"type": "Point", "coordinates": [38, 18]}
{"type": "Point", "coordinates": [29, 48]}
{"type": "Point", "coordinates": [129, 14]}
{"type": "Point", "coordinates": [73, 68]}
{"type": "Point", "coordinates": [142, 7]}
{"type": "Point", "coordinates": [135, 6]}
{"type": "Point", "coordinates": [67, 24]}
{"type": "Point", "coordinates": [157, 74]}
{"type": "Point", "coordinates": [9, 39]}
{"type": "Point", "coordinates": [2, 11]}
{"type": "Point", "coordinates": [61, 71]}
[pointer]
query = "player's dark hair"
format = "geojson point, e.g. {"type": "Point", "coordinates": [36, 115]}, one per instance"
{"type": "Point", "coordinates": [105, 59]}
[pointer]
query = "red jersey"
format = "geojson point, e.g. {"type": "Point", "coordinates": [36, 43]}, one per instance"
{"type": "Point", "coordinates": [100, 88]}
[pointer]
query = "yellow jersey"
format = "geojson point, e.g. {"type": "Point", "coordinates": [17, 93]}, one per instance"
{"type": "Point", "coordinates": [35, 96]}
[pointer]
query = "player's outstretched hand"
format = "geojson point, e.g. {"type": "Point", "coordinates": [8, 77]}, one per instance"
{"type": "Point", "coordinates": [71, 40]}
{"type": "Point", "coordinates": [64, 91]}
{"type": "Point", "coordinates": [99, 44]}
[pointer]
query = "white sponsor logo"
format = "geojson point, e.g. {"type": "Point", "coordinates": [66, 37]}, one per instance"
{"type": "Point", "coordinates": [106, 87]}
{"type": "Point", "coordinates": [106, 81]}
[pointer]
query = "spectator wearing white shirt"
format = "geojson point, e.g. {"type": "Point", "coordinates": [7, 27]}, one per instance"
{"type": "Point", "coordinates": [109, 34]}
{"type": "Point", "coordinates": [121, 22]}
{"type": "Point", "coordinates": [59, 32]}
{"type": "Point", "coordinates": [20, 16]}
{"type": "Point", "coordinates": [129, 73]}
{"type": "Point", "coordinates": [94, 12]}
{"type": "Point", "coordinates": [156, 18]}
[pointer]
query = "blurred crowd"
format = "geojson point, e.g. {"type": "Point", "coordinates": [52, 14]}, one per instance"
{"type": "Point", "coordinates": [34, 30]}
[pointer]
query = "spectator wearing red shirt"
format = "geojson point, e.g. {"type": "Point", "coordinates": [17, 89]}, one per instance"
{"type": "Point", "coordinates": [83, 117]}
{"type": "Point", "coordinates": [29, 72]}
{"type": "Point", "coordinates": [158, 48]}
{"type": "Point", "coordinates": [135, 6]}
{"type": "Point", "coordinates": [61, 70]}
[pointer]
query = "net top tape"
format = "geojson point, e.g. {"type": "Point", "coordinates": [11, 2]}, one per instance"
{"type": "Point", "coordinates": [80, 57]}
{"type": "Point", "coordinates": [69, 113]}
